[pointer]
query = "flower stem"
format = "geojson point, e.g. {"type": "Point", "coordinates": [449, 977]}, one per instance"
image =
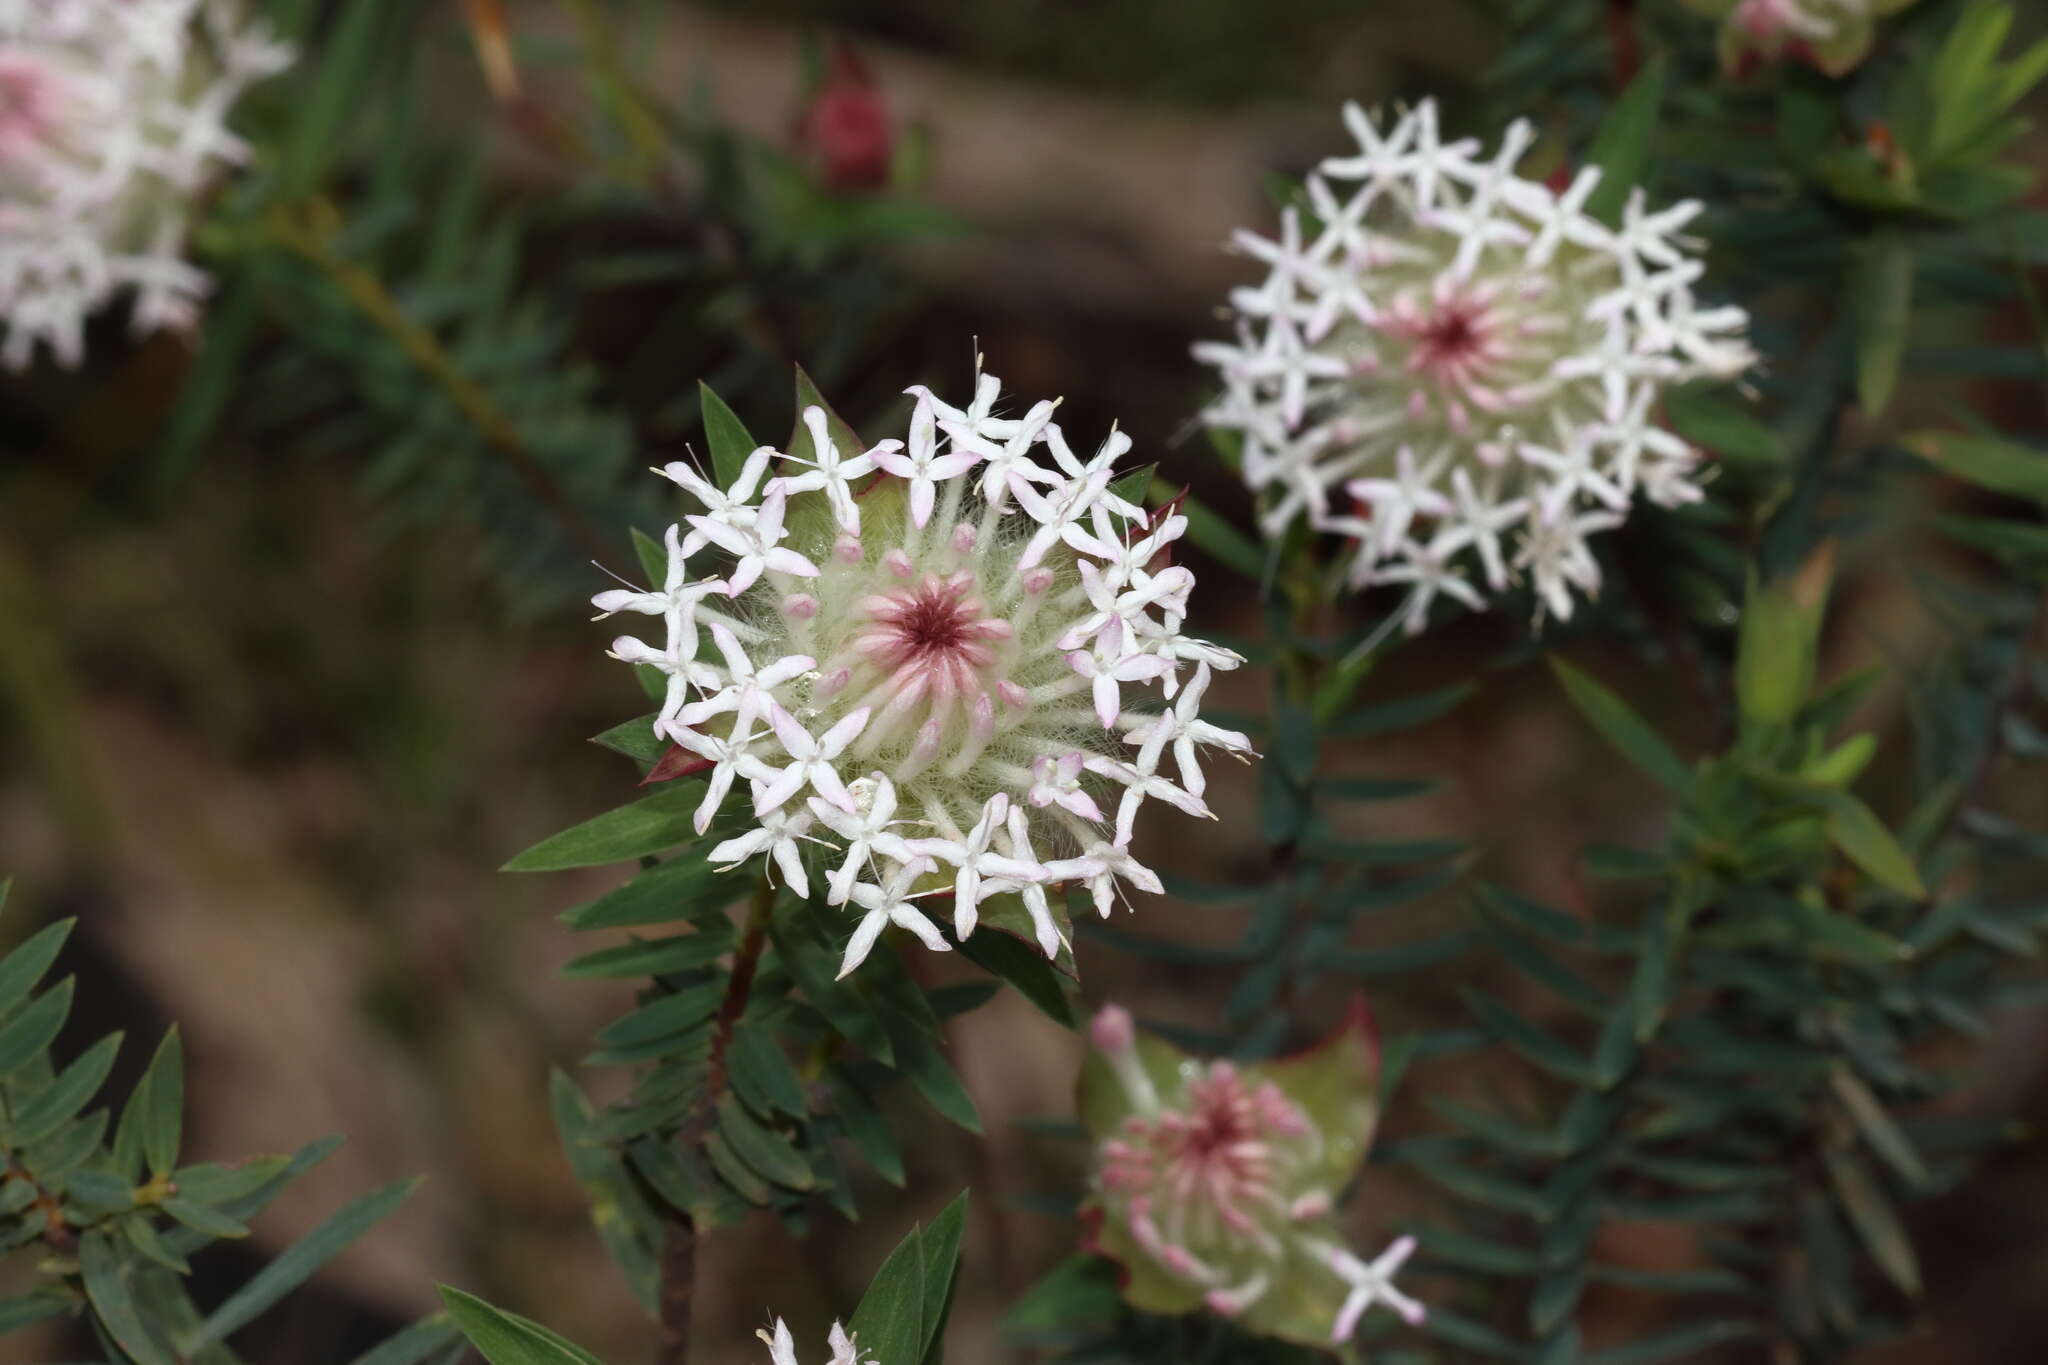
{"type": "Point", "coordinates": [679, 1247]}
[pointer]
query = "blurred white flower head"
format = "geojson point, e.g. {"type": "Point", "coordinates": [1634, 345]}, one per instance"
{"type": "Point", "coordinates": [113, 118]}
{"type": "Point", "coordinates": [927, 660]}
{"type": "Point", "coordinates": [1457, 369]}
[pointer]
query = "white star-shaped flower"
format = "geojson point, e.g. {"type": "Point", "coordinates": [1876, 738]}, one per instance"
{"type": "Point", "coordinates": [868, 829]}
{"type": "Point", "coordinates": [922, 465]}
{"type": "Point", "coordinates": [1184, 728]}
{"type": "Point", "coordinates": [1372, 1282]}
{"type": "Point", "coordinates": [832, 472]}
{"type": "Point", "coordinates": [890, 903]}
{"type": "Point", "coordinates": [757, 546]}
{"type": "Point", "coordinates": [778, 835]}
{"type": "Point", "coordinates": [810, 760]}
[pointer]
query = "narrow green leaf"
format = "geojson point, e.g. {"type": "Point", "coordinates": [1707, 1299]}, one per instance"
{"type": "Point", "coordinates": [1404, 714]}
{"type": "Point", "coordinates": [297, 1264]}
{"type": "Point", "coordinates": [1877, 1126]}
{"type": "Point", "coordinates": [508, 1339]}
{"type": "Point", "coordinates": [651, 957]}
{"type": "Point", "coordinates": [1882, 306]}
{"type": "Point", "coordinates": [890, 1322]}
{"type": "Point", "coordinates": [1855, 829]}
{"type": "Point", "coordinates": [653, 557]}
{"type": "Point", "coordinates": [764, 1150]}
{"type": "Point", "coordinates": [200, 1218]}
{"type": "Point", "coordinates": [65, 1096]}
{"type": "Point", "coordinates": [1024, 967]}
{"type": "Point", "coordinates": [163, 1117]}
{"type": "Point", "coordinates": [1214, 535]}
{"type": "Point", "coordinates": [110, 1285]}
{"type": "Point", "coordinates": [30, 1309]}
{"type": "Point", "coordinates": [1708, 419]}
{"type": "Point", "coordinates": [1874, 1219]}
{"type": "Point", "coordinates": [36, 1027]}
{"type": "Point", "coordinates": [939, 1253]}
{"type": "Point", "coordinates": [21, 969]}
{"type": "Point", "coordinates": [1623, 146]}
{"type": "Point", "coordinates": [927, 1069]}
{"type": "Point", "coordinates": [647, 826]}
{"type": "Point", "coordinates": [864, 1126]}
{"type": "Point", "coordinates": [726, 435]}
{"type": "Point", "coordinates": [1529, 1040]}
{"type": "Point", "coordinates": [415, 1345]}
{"type": "Point", "coordinates": [1988, 462]}
{"type": "Point", "coordinates": [634, 738]}
{"type": "Point", "coordinates": [1623, 728]}
{"type": "Point", "coordinates": [762, 1073]}
{"type": "Point", "coordinates": [683, 888]}
{"type": "Point", "coordinates": [335, 87]}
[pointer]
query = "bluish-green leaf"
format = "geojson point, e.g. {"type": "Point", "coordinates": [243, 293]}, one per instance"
{"type": "Point", "coordinates": [36, 1027]}
{"type": "Point", "coordinates": [647, 826]}
{"type": "Point", "coordinates": [297, 1264]}
{"type": "Point", "coordinates": [110, 1286]}
{"type": "Point", "coordinates": [1623, 146]}
{"type": "Point", "coordinates": [506, 1338]}
{"type": "Point", "coordinates": [1621, 727]}
{"type": "Point", "coordinates": [726, 435]}
{"type": "Point", "coordinates": [21, 969]}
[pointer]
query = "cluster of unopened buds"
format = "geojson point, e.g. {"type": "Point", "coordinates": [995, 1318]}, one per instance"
{"type": "Point", "coordinates": [113, 118]}
{"type": "Point", "coordinates": [1215, 1182]}
{"type": "Point", "coordinates": [1833, 35]}
{"type": "Point", "coordinates": [928, 655]}
{"type": "Point", "coordinates": [1451, 365]}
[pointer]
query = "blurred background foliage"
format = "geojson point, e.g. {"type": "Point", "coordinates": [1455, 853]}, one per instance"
{"type": "Point", "coordinates": [292, 651]}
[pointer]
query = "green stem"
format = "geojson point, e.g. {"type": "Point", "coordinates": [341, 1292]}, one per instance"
{"type": "Point", "coordinates": [679, 1246]}
{"type": "Point", "coordinates": [307, 235]}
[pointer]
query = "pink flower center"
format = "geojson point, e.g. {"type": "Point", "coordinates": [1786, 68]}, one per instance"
{"type": "Point", "coordinates": [1215, 1155]}
{"type": "Point", "coordinates": [935, 644]}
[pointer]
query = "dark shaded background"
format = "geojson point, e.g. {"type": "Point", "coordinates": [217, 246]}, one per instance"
{"type": "Point", "coordinates": [270, 743]}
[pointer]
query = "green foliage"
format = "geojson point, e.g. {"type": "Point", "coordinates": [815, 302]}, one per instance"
{"type": "Point", "coordinates": [117, 1219]}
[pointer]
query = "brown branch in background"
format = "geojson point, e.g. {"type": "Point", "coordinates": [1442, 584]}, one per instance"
{"type": "Point", "coordinates": [679, 1249]}
{"type": "Point", "coordinates": [308, 241]}
{"type": "Point", "coordinates": [1624, 42]}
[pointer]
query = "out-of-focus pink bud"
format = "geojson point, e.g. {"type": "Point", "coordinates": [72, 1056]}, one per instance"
{"type": "Point", "coordinates": [846, 129]}
{"type": "Point", "coordinates": [1113, 1031]}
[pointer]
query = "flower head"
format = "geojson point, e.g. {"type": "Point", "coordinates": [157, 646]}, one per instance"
{"type": "Point", "coordinates": [928, 656]}
{"type": "Point", "coordinates": [1456, 360]}
{"type": "Point", "coordinates": [782, 1346]}
{"type": "Point", "coordinates": [113, 116]}
{"type": "Point", "coordinates": [1833, 35]}
{"type": "Point", "coordinates": [1215, 1183]}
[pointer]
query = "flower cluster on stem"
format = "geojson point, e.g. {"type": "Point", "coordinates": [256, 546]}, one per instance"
{"type": "Point", "coordinates": [113, 118]}
{"type": "Point", "coordinates": [1457, 369]}
{"type": "Point", "coordinates": [931, 657]}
